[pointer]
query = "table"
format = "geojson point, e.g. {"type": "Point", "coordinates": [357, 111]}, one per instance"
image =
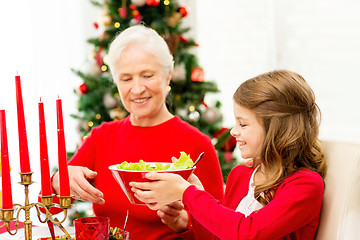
{"type": "Point", "coordinates": [37, 232]}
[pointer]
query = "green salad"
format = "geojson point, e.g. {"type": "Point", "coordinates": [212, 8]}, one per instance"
{"type": "Point", "coordinates": [184, 162]}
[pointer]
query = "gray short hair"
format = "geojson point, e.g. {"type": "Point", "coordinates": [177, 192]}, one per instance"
{"type": "Point", "coordinates": [145, 38]}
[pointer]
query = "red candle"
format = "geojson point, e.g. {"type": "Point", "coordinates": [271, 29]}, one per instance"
{"type": "Point", "coordinates": [44, 159]}
{"type": "Point", "coordinates": [23, 146]}
{"type": "Point", "coordinates": [7, 202]}
{"type": "Point", "coordinates": [63, 167]}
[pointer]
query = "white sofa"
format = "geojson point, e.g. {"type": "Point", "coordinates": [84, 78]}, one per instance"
{"type": "Point", "coordinates": [340, 213]}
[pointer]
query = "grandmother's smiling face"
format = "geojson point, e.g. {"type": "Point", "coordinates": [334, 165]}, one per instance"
{"type": "Point", "coordinates": [142, 82]}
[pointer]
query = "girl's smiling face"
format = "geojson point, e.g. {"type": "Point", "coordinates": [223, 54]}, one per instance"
{"type": "Point", "coordinates": [248, 131]}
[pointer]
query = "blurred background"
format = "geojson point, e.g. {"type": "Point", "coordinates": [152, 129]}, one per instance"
{"type": "Point", "coordinates": [43, 40]}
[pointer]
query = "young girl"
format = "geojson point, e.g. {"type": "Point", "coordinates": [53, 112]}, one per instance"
{"type": "Point", "coordinates": [278, 193]}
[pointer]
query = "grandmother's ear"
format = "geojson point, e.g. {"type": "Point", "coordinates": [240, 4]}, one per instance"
{"type": "Point", "coordinates": [168, 80]}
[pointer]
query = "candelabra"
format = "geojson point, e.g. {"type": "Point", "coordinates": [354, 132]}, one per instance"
{"type": "Point", "coordinates": [46, 204]}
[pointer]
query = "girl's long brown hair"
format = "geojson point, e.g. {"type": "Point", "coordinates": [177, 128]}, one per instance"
{"type": "Point", "coordinates": [286, 105]}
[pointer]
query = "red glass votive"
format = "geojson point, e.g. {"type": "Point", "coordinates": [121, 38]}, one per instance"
{"type": "Point", "coordinates": [96, 228]}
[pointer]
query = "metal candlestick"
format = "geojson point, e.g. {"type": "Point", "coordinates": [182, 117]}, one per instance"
{"type": "Point", "coordinates": [46, 203]}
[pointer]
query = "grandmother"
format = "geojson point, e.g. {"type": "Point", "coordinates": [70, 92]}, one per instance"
{"type": "Point", "coordinates": [141, 66]}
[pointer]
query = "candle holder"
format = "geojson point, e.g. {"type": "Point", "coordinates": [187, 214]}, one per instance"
{"type": "Point", "coordinates": [46, 204]}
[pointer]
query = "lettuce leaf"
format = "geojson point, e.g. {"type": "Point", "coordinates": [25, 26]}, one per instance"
{"type": "Point", "coordinates": [184, 162]}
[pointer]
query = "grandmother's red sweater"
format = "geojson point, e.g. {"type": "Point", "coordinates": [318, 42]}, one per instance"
{"type": "Point", "coordinates": [114, 142]}
{"type": "Point", "coordinates": [293, 213]}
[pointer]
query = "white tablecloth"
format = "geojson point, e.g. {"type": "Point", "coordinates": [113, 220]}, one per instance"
{"type": "Point", "coordinates": [37, 232]}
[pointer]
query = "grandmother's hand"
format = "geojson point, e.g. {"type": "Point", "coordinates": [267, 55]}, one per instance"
{"type": "Point", "coordinates": [80, 187]}
{"type": "Point", "coordinates": [174, 216]}
{"type": "Point", "coordinates": [164, 189]}
{"type": "Point", "coordinates": [194, 180]}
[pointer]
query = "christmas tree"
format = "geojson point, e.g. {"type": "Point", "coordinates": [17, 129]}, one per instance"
{"type": "Point", "coordinates": [98, 97]}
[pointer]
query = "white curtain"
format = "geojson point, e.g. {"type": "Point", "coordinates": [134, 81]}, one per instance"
{"type": "Point", "coordinates": [318, 39]}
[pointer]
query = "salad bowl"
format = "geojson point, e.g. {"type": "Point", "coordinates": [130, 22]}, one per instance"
{"type": "Point", "coordinates": [124, 177]}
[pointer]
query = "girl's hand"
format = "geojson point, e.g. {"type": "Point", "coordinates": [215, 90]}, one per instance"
{"type": "Point", "coordinates": [174, 216]}
{"type": "Point", "coordinates": [164, 189]}
{"type": "Point", "coordinates": [80, 187]}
